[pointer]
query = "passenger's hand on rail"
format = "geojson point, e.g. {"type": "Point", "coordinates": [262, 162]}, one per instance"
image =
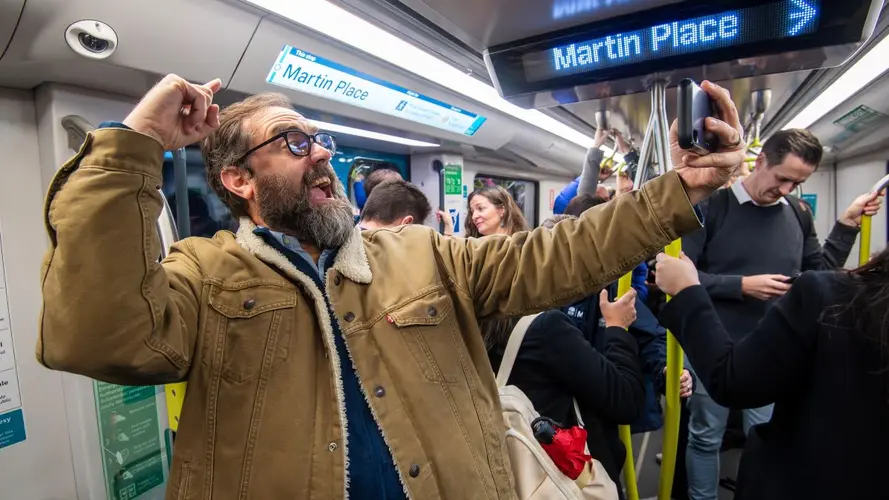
{"type": "Point", "coordinates": [176, 113]}
{"type": "Point", "coordinates": [445, 218]}
{"type": "Point", "coordinates": [686, 384]}
{"type": "Point", "coordinates": [601, 137]}
{"type": "Point", "coordinates": [764, 286]}
{"type": "Point", "coordinates": [866, 204]}
{"type": "Point", "coordinates": [675, 275]}
{"type": "Point", "coordinates": [704, 174]}
{"type": "Point", "coordinates": [622, 146]}
{"type": "Point", "coordinates": [621, 312]}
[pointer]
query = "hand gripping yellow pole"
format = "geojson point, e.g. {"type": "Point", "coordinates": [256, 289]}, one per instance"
{"type": "Point", "coordinates": [623, 286]}
{"type": "Point", "coordinates": [864, 244]}
{"type": "Point", "coordinates": [672, 411]}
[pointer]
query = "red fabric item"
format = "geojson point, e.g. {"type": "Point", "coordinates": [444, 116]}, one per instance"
{"type": "Point", "coordinates": [566, 451]}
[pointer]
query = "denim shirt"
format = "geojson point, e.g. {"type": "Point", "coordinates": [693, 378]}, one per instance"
{"type": "Point", "coordinates": [372, 472]}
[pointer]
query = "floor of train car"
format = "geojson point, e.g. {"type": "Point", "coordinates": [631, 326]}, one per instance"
{"type": "Point", "coordinates": [648, 476]}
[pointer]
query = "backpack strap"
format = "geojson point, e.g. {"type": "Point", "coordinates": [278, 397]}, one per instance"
{"type": "Point", "coordinates": [512, 349]}
{"type": "Point", "coordinates": [803, 215]}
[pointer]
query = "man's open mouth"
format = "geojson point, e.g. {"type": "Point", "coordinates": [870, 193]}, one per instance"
{"type": "Point", "coordinates": [321, 190]}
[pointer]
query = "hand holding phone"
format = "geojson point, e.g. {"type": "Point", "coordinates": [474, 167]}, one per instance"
{"type": "Point", "coordinates": [694, 107]}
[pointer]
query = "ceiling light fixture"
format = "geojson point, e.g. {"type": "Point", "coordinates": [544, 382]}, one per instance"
{"type": "Point", "coordinates": [339, 24]}
{"type": "Point", "coordinates": [333, 127]}
{"type": "Point", "coordinates": [869, 67]}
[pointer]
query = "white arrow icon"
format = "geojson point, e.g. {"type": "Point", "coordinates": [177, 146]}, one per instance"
{"type": "Point", "coordinates": [804, 13]}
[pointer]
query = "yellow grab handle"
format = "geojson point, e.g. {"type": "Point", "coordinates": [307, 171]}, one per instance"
{"type": "Point", "coordinates": [672, 412]}
{"type": "Point", "coordinates": [864, 243]}
{"type": "Point", "coordinates": [175, 397]}
{"type": "Point", "coordinates": [623, 286]}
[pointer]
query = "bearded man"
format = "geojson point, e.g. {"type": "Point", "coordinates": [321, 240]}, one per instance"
{"type": "Point", "coordinates": [322, 361]}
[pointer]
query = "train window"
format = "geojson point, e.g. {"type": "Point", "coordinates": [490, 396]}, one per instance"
{"type": "Point", "coordinates": [207, 212]}
{"type": "Point", "coordinates": [524, 193]}
{"type": "Point", "coordinates": [352, 165]}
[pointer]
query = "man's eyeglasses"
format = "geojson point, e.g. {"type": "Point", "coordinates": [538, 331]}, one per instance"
{"type": "Point", "coordinates": [298, 142]}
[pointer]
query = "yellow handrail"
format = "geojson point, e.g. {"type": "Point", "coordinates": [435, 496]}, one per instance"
{"type": "Point", "coordinates": [864, 244]}
{"type": "Point", "coordinates": [175, 397]}
{"type": "Point", "coordinates": [672, 411]}
{"type": "Point", "coordinates": [623, 286]}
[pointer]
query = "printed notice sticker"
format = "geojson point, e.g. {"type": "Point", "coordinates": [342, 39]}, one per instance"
{"type": "Point", "coordinates": [12, 420]}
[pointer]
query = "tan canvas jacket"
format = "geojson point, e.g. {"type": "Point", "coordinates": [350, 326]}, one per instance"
{"type": "Point", "coordinates": [264, 416]}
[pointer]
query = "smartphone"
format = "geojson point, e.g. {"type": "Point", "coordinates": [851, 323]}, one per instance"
{"type": "Point", "coordinates": [694, 107]}
{"type": "Point", "coordinates": [793, 278]}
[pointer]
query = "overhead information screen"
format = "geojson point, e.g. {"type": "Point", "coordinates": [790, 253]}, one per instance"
{"type": "Point", "coordinates": [734, 27]}
{"type": "Point", "coordinates": [305, 72]}
{"type": "Point", "coordinates": [683, 35]}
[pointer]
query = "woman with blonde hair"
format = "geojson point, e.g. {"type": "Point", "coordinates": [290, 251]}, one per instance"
{"type": "Point", "coordinates": [491, 210]}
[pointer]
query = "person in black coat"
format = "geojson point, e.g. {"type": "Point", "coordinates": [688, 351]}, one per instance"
{"type": "Point", "coordinates": [820, 356]}
{"type": "Point", "coordinates": [556, 364]}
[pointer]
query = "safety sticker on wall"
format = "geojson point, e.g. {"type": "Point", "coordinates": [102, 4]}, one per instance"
{"type": "Point", "coordinates": [12, 420]}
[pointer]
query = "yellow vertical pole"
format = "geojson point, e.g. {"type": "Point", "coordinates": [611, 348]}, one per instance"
{"type": "Point", "coordinates": [623, 286]}
{"type": "Point", "coordinates": [672, 411]}
{"type": "Point", "coordinates": [864, 243]}
{"type": "Point", "coordinates": [175, 397]}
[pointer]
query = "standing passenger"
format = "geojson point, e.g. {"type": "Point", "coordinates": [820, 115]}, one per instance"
{"type": "Point", "coordinates": [491, 210]}
{"type": "Point", "coordinates": [322, 361]}
{"type": "Point", "coordinates": [755, 238]}
{"type": "Point", "coordinates": [394, 203]}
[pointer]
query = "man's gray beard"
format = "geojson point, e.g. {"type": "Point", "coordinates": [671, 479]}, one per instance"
{"type": "Point", "coordinates": [325, 225]}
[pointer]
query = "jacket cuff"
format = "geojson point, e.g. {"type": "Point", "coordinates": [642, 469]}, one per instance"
{"type": "Point", "coordinates": [670, 205]}
{"type": "Point", "coordinates": [671, 315]}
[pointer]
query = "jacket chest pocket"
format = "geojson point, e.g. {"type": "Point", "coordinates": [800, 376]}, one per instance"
{"type": "Point", "coordinates": [426, 327]}
{"type": "Point", "coordinates": [254, 328]}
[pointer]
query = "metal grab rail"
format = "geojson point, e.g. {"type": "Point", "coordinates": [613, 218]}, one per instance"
{"type": "Point", "coordinates": [175, 393]}
{"type": "Point", "coordinates": [656, 149]}
{"type": "Point", "coordinates": [864, 244]}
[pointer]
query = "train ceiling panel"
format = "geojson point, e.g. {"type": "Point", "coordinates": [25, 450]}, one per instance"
{"type": "Point", "coordinates": [801, 26]}
{"type": "Point", "coordinates": [10, 10]}
{"type": "Point", "coordinates": [858, 124]}
{"type": "Point", "coordinates": [198, 39]}
{"type": "Point", "coordinates": [317, 73]}
{"type": "Point", "coordinates": [486, 23]}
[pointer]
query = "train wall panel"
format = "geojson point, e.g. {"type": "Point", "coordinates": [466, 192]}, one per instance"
{"type": "Point", "coordinates": [46, 450]}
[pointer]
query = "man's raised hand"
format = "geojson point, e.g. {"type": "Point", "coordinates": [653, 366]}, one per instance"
{"type": "Point", "coordinates": [176, 113]}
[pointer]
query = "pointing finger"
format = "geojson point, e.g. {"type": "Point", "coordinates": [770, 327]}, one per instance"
{"type": "Point", "coordinates": [213, 86]}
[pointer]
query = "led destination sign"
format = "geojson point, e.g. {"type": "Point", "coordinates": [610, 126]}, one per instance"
{"type": "Point", "coordinates": [305, 72]}
{"type": "Point", "coordinates": [717, 40]}
{"type": "Point", "coordinates": [771, 21]}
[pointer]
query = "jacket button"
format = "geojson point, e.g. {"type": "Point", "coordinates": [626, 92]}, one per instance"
{"type": "Point", "coordinates": [379, 391]}
{"type": "Point", "coordinates": [249, 304]}
{"type": "Point", "coordinates": [432, 311]}
{"type": "Point", "coordinates": [331, 447]}
{"type": "Point", "coordinates": [414, 471]}
{"type": "Point", "coordinates": [337, 281]}
{"type": "Point", "coordinates": [349, 317]}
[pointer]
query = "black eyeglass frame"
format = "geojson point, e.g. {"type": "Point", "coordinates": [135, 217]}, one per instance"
{"type": "Point", "coordinates": [283, 135]}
